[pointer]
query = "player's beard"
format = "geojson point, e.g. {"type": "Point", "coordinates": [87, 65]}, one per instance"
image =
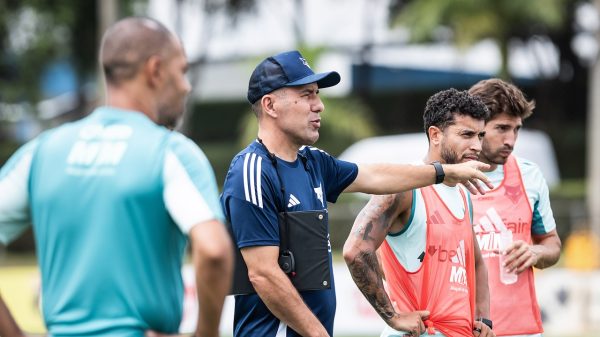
{"type": "Point", "coordinates": [448, 155]}
{"type": "Point", "coordinates": [170, 121]}
{"type": "Point", "coordinates": [494, 157]}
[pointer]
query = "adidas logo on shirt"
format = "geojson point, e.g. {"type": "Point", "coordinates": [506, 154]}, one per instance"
{"type": "Point", "coordinates": [293, 201]}
{"type": "Point", "coordinates": [491, 222]}
{"type": "Point", "coordinates": [487, 230]}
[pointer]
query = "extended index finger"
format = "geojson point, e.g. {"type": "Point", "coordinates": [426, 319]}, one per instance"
{"type": "Point", "coordinates": [478, 188]}
{"type": "Point", "coordinates": [484, 179]}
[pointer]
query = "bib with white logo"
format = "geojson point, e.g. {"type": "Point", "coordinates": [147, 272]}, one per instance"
{"type": "Point", "coordinates": [513, 308]}
{"type": "Point", "coordinates": [445, 283]}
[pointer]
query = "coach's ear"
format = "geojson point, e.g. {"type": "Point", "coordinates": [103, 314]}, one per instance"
{"type": "Point", "coordinates": [268, 105]}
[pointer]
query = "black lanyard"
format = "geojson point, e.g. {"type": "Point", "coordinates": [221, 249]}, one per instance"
{"type": "Point", "coordinates": [286, 258]}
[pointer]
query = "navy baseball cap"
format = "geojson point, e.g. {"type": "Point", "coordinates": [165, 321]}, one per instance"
{"type": "Point", "coordinates": [288, 69]}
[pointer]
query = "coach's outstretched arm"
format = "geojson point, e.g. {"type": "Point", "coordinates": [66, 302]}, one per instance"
{"type": "Point", "coordinates": [396, 178]}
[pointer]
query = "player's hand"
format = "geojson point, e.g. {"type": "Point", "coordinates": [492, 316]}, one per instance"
{"type": "Point", "coordinates": [469, 174]}
{"type": "Point", "coordinates": [482, 330]}
{"type": "Point", "coordinates": [411, 322]}
{"type": "Point", "coordinates": [520, 256]}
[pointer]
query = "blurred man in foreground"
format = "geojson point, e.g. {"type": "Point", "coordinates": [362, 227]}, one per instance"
{"type": "Point", "coordinates": [114, 198]}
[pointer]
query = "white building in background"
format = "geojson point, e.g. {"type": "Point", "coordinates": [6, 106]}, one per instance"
{"type": "Point", "coordinates": [342, 27]}
{"type": "Point", "coordinates": [534, 145]}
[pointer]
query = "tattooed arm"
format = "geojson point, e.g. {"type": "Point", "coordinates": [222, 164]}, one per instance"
{"type": "Point", "coordinates": [382, 214]}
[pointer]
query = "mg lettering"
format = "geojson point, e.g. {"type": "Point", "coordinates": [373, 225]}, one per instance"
{"type": "Point", "coordinates": [96, 153]}
{"type": "Point", "coordinates": [458, 275]}
{"type": "Point", "coordinates": [487, 241]}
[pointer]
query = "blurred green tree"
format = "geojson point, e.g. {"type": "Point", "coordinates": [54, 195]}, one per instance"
{"type": "Point", "coordinates": [474, 20]}
{"type": "Point", "coordinates": [35, 33]}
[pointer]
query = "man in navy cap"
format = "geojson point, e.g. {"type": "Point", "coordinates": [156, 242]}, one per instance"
{"type": "Point", "coordinates": [275, 197]}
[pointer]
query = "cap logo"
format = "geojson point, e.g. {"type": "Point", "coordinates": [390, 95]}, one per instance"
{"type": "Point", "coordinates": [303, 60]}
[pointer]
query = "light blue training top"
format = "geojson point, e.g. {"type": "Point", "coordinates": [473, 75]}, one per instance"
{"type": "Point", "coordinates": [111, 198]}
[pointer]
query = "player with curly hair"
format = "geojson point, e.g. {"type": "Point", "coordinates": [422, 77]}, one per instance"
{"type": "Point", "coordinates": [428, 252]}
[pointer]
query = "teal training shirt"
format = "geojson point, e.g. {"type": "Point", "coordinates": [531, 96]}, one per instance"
{"type": "Point", "coordinates": [111, 198]}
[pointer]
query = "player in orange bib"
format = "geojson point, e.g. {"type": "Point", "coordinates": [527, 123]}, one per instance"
{"type": "Point", "coordinates": [519, 203]}
{"type": "Point", "coordinates": [436, 277]}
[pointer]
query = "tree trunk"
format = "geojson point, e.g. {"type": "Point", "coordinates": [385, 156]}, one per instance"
{"type": "Point", "coordinates": [504, 72]}
{"type": "Point", "coordinates": [108, 11]}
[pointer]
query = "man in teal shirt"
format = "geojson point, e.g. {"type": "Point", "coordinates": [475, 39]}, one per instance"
{"type": "Point", "coordinates": [114, 197]}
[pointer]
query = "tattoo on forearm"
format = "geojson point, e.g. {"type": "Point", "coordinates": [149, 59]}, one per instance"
{"type": "Point", "coordinates": [377, 215]}
{"type": "Point", "coordinates": [365, 272]}
{"type": "Point", "coordinates": [372, 223]}
{"type": "Point", "coordinates": [368, 229]}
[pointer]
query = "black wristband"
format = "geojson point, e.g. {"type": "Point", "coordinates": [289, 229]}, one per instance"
{"type": "Point", "coordinates": [486, 321]}
{"type": "Point", "coordinates": [439, 172]}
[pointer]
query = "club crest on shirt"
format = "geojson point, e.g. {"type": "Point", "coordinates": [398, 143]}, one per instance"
{"type": "Point", "coordinates": [513, 193]}
{"type": "Point", "coordinates": [98, 150]}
